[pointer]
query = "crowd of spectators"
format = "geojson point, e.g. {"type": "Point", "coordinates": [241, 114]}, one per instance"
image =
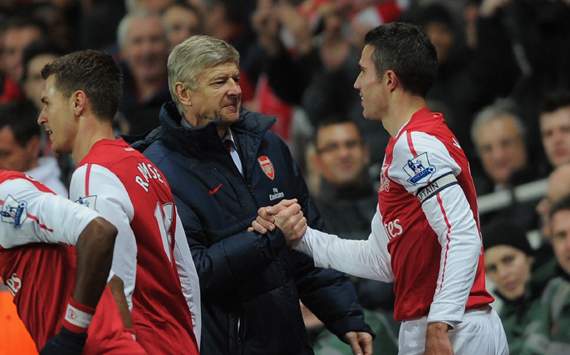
{"type": "Point", "coordinates": [503, 85]}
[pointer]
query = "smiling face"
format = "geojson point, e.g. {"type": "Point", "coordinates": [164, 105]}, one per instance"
{"type": "Point", "coordinates": [57, 117]}
{"type": "Point", "coordinates": [509, 269]}
{"type": "Point", "coordinates": [217, 96]}
{"type": "Point", "coordinates": [373, 93]}
{"type": "Point", "coordinates": [341, 154]}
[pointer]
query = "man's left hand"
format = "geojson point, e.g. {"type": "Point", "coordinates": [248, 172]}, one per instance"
{"type": "Point", "coordinates": [360, 342]}
{"type": "Point", "coordinates": [265, 220]}
{"type": "Point", "coordinates": [437, 340]}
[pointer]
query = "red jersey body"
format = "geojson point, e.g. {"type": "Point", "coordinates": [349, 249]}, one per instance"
{"type": "Point", "coordinates": [39, 268]}
{"type": "Point", "coordinates": [424, 151]}
{"type": "Point", "coordinates": [130, 192]}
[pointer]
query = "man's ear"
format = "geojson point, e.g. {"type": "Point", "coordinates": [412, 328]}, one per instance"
{"type": "Point", "coordinates": [183, 93]}
{"type": "Point", "coordinates": [78, 102]}
{"type": "Point", "coordinates": [392, 80]}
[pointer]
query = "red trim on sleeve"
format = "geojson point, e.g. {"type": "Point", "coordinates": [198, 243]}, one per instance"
{"type": "Point", "coordinates": [440, 202]}
{"type": "Point", "coordinates": [410, 143]}
{"type": "Point", "coordinates": [37, 220]}
{"type": "Point", "coordinates": [87, 173]}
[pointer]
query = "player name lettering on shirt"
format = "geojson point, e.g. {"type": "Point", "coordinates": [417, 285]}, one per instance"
{"type": "Point", "coordinates": [394, 228]}
{"type": "Point", "coordinates": [14, 284]}
{"type": "Point", "coordinates": [149, 173]}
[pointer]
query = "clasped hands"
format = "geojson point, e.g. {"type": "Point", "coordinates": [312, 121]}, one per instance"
{"type": "Point", "coordinates": [287, 216]}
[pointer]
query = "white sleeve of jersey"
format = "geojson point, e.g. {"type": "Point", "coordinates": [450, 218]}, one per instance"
{"type": "Point", "coordinates": [362, 258]}
{"type": "Point", "coordinates": [430, 174]}
{"type": "Point", "coordinates": [188, 278]}
{"type": "Point", "coordinates": [28, 215]}
{"type": "Point", "coordinates": [100, 189]}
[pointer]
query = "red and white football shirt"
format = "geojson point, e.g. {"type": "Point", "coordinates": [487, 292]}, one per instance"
{"type": "Point", "coordinates": [38, 264]}
{"type": "Point", "coordinates": [151, 252]}
{"type": "Point", "coordinates": [425, 235]}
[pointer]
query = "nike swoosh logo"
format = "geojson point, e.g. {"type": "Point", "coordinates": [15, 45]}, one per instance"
{"type": "Point", "coordinates": [215, 189]}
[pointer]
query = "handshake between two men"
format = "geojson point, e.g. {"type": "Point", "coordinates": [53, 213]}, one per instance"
{"type": "Point", "coordinates": [287, 216]}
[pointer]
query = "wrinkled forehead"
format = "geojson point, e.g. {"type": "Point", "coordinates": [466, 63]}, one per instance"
{"type": "Point", "coordinates": [223, 69]}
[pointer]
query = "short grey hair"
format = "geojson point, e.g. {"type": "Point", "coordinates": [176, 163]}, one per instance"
{"type": "Point", "coordinates": [499, 109]}
{"type": "Point", "coordinates": [125, 25]}
{"type": "Point", "coordinates": [189, 58]}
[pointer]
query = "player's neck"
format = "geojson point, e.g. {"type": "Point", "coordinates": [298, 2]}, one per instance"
{"type": "Point", "coordinates": [90, 131]}
{"type": "Point", "coordinates": [400, 111]}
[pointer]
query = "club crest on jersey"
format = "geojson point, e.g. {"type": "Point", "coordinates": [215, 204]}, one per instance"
{"type": "Point", "coordinates": [14, 212]}
{"type": "Point", "coordinates": [88, 201]}
{"type": "Point", "coordinates": [419, 168]}
{"type": "Point", "coordinates": [267, 166]}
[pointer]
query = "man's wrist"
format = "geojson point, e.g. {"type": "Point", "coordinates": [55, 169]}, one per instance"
{"type": "Point", "coordinates": [77, 316]}
{"type": "Point", "coordinates": [439, 327]}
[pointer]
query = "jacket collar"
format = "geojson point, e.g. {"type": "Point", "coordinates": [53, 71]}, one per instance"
{"type": "Point", "coordinates": [204, 141]}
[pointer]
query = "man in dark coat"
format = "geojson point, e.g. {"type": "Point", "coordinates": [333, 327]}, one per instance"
{"type": "Point", "coordinates": [223, 165]}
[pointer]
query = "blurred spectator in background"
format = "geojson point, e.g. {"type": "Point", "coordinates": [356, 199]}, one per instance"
{"type": "Point", "coordinates": [20, 146]}
{"type": "Point", "coordinates": [557, 293]}
{"type": "Point", "coordinates": [499, 137]}
{"type": "Point", "coordinates": [508, 263]}
{"type": "Point", "coordinates": [144, 50]}
{"type": "Point", "coordinates": [558, 187]}
{"type": "Point", "coordinates": [555, 128]}
{"type": "Point", "coordinates": [346, 198]}
{"type": "Point", "coordinates": [451, 91]}
{"type": "Point", "coordinates": [34, 58]}
{"type": "Point", "coordinates": [181, 20]}
{"type": "Point", "coordinates": [16, 34]}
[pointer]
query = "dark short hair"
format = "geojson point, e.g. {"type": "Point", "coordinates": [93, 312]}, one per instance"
{"type": "Point", "coordinates": [406, 50]}
{"type": "Point", "coordinates": [94, 72]}
{"type": "Point", "coordinates": [35, 49]}
{"type": "Point", "coordinates": [554, 101]}
{"type": "Point", "coordinates": [331, 120]}
{"type": "Point", "coordinates": [561, 205]}
{"type": "Point", "coordinates": [21, 117]}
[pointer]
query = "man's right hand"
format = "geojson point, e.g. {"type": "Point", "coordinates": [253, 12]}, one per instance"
{"type": "Point", "coordinates": [65, 343]}
{"type": "Point", "coordinates": [292, 223]}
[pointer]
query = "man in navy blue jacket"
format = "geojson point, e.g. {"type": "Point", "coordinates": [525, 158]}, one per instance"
{"type": "Point", "coordinates": [223, 165]}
